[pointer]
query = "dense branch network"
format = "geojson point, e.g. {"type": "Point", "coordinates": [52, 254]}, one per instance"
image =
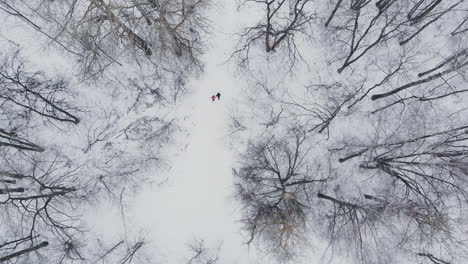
{"type": "Point", "coordinates": [389, 88]}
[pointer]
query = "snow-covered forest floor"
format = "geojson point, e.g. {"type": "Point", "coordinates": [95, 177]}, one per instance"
{"type": "Point", "coordinates": [340, 135]}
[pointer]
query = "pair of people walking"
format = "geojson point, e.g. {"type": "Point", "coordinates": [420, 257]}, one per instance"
{"type": "Point", "coordinates": [213, 97]}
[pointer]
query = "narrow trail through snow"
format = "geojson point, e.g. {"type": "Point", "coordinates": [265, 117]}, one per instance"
{"type": "Point", "coordinates": [196, 202]}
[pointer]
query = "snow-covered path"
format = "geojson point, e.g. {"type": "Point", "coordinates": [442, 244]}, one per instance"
{"type": "Point", "coordinates": [196, 202]}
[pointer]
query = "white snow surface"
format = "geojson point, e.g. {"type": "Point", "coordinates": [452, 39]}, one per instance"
{"type": "Point", "coordinates": [194, 201]}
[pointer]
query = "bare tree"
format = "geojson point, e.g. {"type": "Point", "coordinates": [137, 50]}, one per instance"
{"type": "Point", "coordinates": [426, 12]}
{"type": "Point", "coordinates": [62, 152]}
{"type": "Point", "coordinates": [362, 28]}
{"type": "Point", "coordinates": [432, 258]}
{"type": "Point", "coordinates": [421, 177]}
{"type": "Point", "coordinates": [167, 35]}
{"type": "Point", "coordinates": [283, 21]}
{"type": "Point", "coordinates": [35, 182]}
{"type": "Point", "coordinates": [274, 182]}
{"type": "Point", "coordinates": [46, 186]}
{"type": "Point", "coordinates": [396, 180]}
{"type": "Point", "coordinates": [372, 228]}
{"type": "Point", "coordinates": [319, 106]}
{"type": "Point", "coordinates": [441, 80]}
{"type": "Point", "coordinates": [37, 189]}
{"type": "Point", "coordinates": [202, 254]}
{"type": "Point", "coordinates": [32, 93]}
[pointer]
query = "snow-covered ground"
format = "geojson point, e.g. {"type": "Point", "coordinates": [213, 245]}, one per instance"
{"type": "Point", "coordinates": [196, 200]}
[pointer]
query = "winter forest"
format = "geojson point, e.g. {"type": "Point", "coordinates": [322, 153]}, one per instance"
{"type": "Point", "coordinates": [341, 133]}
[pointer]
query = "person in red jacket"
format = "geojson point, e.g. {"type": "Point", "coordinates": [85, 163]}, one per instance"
{"type": "Point", "coordinates": [213, 98]}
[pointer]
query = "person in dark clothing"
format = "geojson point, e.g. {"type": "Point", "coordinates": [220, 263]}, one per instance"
{"type": "Point", "coordinates": [213, 98]}
{"type": "Point", "coordinates": [218, 95]}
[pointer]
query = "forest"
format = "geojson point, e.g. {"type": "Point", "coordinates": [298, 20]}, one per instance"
{"type": "Point", "coordinates": [349, 134]}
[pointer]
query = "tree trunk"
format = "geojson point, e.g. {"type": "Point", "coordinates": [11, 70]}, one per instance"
{"type": "Point", "coordinates": [24, 251]}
